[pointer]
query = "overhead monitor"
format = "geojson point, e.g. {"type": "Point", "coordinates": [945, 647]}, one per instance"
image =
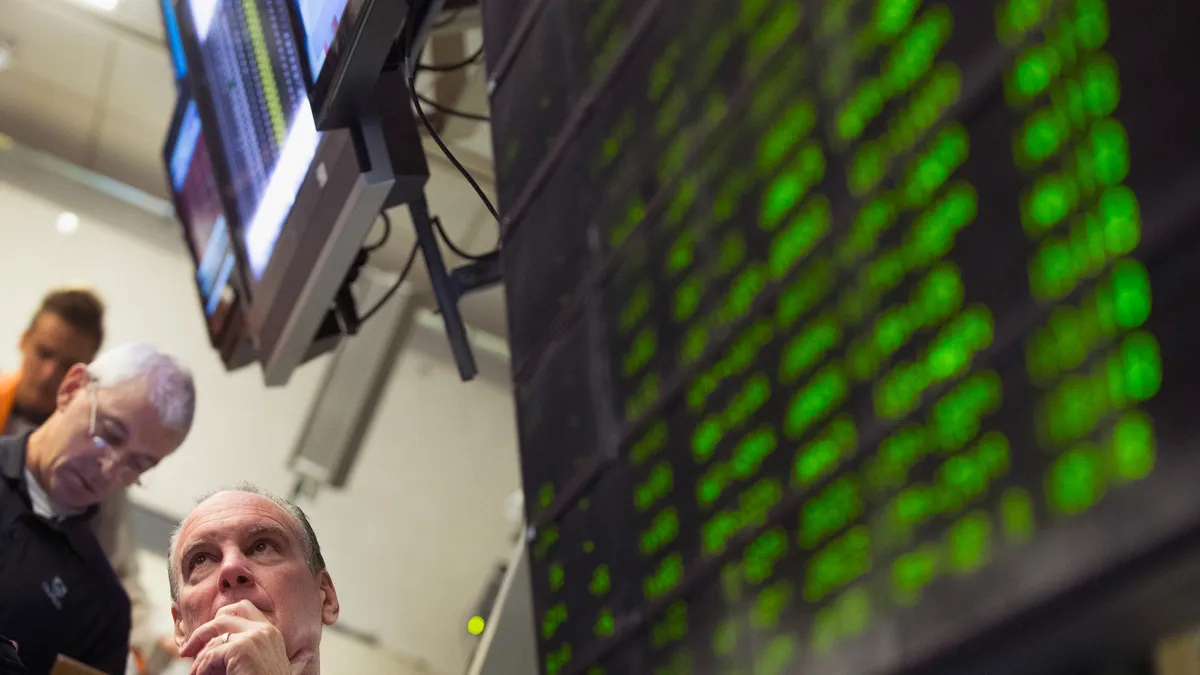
{"type": "Point", "coordinates": [345, 45]}
{"type": "Point", "coordinates": [206, 232]}
{"type": "Point", "coordinates": [300, 202]}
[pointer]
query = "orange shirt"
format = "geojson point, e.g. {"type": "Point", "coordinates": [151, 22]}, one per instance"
{"type": "Point", "coordinates": [8, 392]}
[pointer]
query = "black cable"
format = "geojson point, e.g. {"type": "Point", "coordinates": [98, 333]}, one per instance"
{"type": "Point", "coordinates": [437, 225]}
{"type": "Point", "coordinates": [446, 110]}
{"type": "Point", "coordinates": [387, 233]}
{"type": "Point", "coordinates": [448, 20]}
{"type": "Point", "coordinates": [411, 75]}
{"type": "Point", "coordinates": [412, 258]}
{"type": "Point", "coordinates": [454, 65]}
{"type": "Point", "coordinates": [446, 151]}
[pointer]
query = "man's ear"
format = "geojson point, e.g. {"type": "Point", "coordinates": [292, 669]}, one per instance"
{"type": "Point", "coordinates": [330, 608]}
{"type": "Point", "coordinates": [77, 380]}
{"type": "Point", "coordinates": [180, 636]}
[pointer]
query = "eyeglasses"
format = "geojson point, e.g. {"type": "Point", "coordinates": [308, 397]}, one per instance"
{"type": "Point", "coordinates": [130, 467]}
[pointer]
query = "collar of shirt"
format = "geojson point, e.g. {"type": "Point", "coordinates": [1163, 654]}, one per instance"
{"type": "Point", "coordinates": [43, 504]}
{"type": "Point", "coordinates": [21, 421]}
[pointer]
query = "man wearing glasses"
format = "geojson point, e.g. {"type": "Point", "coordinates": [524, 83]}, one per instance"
{"type": "Point", "coordinates": [113, 420]}
{"type": "Point", "coordinates": [66, 329]}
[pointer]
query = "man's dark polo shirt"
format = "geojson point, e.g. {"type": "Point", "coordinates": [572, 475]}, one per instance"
{"type": "Point", "coordinates": [58, 593]}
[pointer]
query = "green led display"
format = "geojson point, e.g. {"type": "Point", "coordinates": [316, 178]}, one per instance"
{"type": "Point", "coordinates": [799, 270]}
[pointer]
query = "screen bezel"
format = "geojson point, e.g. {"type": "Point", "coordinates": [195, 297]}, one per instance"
{"type": "Point", "coordinates": [334, 209]}
{"type": "Point", "coordinates": [357, 53]}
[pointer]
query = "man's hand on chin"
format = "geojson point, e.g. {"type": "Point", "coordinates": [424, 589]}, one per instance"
{"type": "Point", "coordinates": [238, 641]}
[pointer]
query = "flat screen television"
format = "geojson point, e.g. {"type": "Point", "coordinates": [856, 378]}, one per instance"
{"type": "Point", "coordinates": [299, 201]}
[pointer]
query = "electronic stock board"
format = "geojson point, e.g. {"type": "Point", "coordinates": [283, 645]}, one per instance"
{"type": "Point", "coordinates": [849, 336]}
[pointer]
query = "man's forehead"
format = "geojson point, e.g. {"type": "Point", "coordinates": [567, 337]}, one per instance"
{"type": "Point", "coordinates": [50, 330]}
{"type": "Point", "coordinates": [233, 513]}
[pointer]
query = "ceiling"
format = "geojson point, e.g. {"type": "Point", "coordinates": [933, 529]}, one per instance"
{"type": "Point", "coordinates": [95, 88]}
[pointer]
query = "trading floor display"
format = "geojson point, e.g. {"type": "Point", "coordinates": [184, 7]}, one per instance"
{"type": "Point", "coordinates": [852, 336]}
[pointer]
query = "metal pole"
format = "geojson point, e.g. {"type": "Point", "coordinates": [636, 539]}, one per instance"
{"type": "Point", "coordinates": [443, 290]}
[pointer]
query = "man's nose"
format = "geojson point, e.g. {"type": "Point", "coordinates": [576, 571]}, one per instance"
{"type": "Point", "coordinates": [110, 464]}
{"type": "Point", "coordinates": [109, 461]}
{"type": "Point", "coordinates": [49, 375]}
{"type": "Point", "coordinates": [234, 572]}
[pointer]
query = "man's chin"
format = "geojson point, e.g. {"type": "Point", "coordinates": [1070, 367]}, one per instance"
{"type": "Point", "coordinates": [76, 492]}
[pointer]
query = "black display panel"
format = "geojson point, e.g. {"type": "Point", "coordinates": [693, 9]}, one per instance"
{"type": "Point", "coordinates": [894, 301]}
{"type": "Point", "coordinates": [345, 44]}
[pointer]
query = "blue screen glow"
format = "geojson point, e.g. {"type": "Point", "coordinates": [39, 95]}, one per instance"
{"type": "Point", "coordinates": [174, 42]}
{"type": "Point", "coordinates": [200, 209]}
{"type": "Point", "coordinates": [185, 146]}
{"type": "Point", "coordinates": [321, 19]}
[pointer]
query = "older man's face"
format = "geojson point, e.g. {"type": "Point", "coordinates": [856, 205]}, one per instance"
{"type": "Point", "coordinates": [239, 546]}
{"type": "Point", "coordinates": [107, 437]}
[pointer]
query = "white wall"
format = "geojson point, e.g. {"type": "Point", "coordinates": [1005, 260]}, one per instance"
{"type": "Point", "coordinates": [412, 539]}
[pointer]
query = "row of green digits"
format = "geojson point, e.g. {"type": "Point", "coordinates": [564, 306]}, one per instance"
{"type": "Point", "coordinates": [815, 317]}
{"type": "Point", "coordinates": [577, 587]}
{"type": "Point", "coordinates": [1091, 358]}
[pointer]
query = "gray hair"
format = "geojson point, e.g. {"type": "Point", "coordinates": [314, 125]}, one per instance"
{"type": "Point", "coordinates": [308, 537]}
{"type": "Point", "coordinates": [168, 382]}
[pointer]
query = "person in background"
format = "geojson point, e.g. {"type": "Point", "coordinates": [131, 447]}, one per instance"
{"type": "Point", "coordinates": [68, 328]}
{"type": "Point", "coordinates": [250, 592]}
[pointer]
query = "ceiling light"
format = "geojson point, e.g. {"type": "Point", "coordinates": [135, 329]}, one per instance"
{"type": "Point", "coordinates": [67, 223]}
{"type": "Point", "coordinates": [106, 5]}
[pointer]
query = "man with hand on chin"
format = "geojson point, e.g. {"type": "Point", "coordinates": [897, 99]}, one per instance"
{"type": "Point", "coordinates": [250, 592]}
